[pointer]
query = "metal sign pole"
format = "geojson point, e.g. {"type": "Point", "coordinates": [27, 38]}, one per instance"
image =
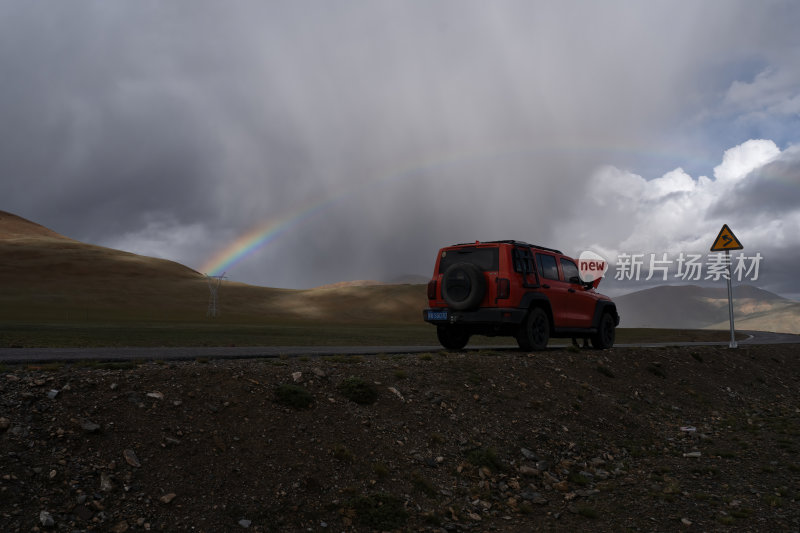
{"type": "Point", "coordinates": [727, 241]}
{"type": "Point", "coordinates": [730, 300]}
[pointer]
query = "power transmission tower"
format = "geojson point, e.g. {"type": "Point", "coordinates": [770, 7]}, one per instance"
{"type": "Point", "coordinates": [214, 283]}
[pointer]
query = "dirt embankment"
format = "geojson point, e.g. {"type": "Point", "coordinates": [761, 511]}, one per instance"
{"type": "Point", "coordinates": [628, 439]}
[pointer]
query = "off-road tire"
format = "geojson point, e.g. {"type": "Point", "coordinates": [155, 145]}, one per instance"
{"type": "Point", "coordinates": [463, 286]}
{"type": "Point", "coordinates": [452, 337]}
{"type": "Point", "coordinates": [534, 333]}
{"type": "Point", "coordinates": [606, 333]}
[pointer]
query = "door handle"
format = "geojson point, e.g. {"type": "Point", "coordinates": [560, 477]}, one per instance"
{"type": "Point", "coordinates": [570, 290]}
{"type": "Point", "coordinates": [545, 286]}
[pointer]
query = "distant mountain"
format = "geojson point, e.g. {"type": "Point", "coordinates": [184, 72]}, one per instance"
{"type": "Point", "coordinates": [694, 307]}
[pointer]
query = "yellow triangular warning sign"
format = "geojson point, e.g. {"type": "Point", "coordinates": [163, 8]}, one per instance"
{"type": "Point", "coordinates": [726, 240]}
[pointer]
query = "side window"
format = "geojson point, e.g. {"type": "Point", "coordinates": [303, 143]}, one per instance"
{"type": "Point", "coordinates": [523, 260]}
{"type": "Point", "coordinates": [569, 269]}
{"type": "Point", "coordinates": [547, 266]}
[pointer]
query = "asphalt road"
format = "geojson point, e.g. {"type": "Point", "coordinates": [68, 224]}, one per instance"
{"type": "Point", "coordinates": [41, 355]}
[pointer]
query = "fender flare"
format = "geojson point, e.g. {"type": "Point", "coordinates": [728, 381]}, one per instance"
{"type": "Point", "coordinates": [531, 299]}
{"type": "Point", "coordinates": [604, 306]}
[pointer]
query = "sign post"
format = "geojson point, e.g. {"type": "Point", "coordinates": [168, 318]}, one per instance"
{"type": "Point", "coordinates": [727, 241]}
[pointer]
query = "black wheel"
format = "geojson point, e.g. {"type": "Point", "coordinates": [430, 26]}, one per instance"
{"type": "Point", "coordinates": [535, 331]}
{"type": "Point", "coordinates": [452, 337]}
{"type": "Point", "coordinates": [463, 286]}
{"type": "Point", "coordinates": [606, 333]}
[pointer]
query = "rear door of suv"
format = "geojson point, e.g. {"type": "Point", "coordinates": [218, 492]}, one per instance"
{"type": "Point", "coordinates": [485, 257]}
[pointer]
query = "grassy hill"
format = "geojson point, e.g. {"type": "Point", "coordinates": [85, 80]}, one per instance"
{"type": "Point", "coordinates": [46, 277]}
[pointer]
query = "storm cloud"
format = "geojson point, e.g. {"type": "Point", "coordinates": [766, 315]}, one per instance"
{"type": "Point", "coordinates": [377, 132]}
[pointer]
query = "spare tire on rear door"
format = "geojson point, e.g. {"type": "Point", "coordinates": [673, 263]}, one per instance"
{"type": "Point", "coordinates": [463, 286]}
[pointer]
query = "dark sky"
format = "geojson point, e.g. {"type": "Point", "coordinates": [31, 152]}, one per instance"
{"type": "Point", "coordinates": [361, 136]}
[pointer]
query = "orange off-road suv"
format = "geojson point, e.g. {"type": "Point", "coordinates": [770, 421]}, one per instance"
{"type": "Point", "coordinates": [517, 289]}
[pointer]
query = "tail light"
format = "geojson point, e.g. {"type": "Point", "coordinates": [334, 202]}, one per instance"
{"type": "Point", "coordinates": [503, 288]}
{"type": "Point", "coordinates": [432, 289]}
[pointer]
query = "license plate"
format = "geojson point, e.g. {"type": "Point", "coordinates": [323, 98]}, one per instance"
{"type": "Point", "coordinates": [437, 315]}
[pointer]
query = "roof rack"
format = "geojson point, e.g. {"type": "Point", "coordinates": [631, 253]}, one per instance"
{"type": "Point", "coordinates": [514, 243]}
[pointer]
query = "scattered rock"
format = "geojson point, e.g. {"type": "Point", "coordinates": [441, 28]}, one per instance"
{"type": "Point", "coordinates": [120, 527]}
{"type": "Point", "coordinates": [52, 394]}
{"type": "Point", "coordinates": [561, 486]}
{"type": "Point", "coordinates": [533, 497]}
{"type": "Point", "coordinates": [635, 447]}
{"type": "Point", "coordinates": [131, 459]}
{"type": "Point", "coordinates": [155, 395]}
{"type": "Point", "coordinates": [83, 512]}
{"type": "Point", "coordinates": [527, 454]}
{"type": "Point", "coordinates": [90, 427]}
{"type": "Point", "coordinates": [601, 474]}
{"type": "Point", "coordinates": [297, 377]}
{"type": "Point", "coordinates": [106, 485]}
{"type": "Point", "coordinates": [397, 393]}
{"type": "Point", "coordinates": [46, 519]}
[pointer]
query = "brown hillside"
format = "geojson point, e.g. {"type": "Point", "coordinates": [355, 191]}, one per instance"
{"type": "Point", "coordinates": [13, 227]}
{"type": "Point", "coordinates": [46, 277]}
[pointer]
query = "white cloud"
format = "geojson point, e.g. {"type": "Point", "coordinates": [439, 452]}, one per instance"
{"type": "Point", "coordinates": [675, 181]}
{"type": "Point", "coordinates": [676, 212]}
{"type": "Point", "coordinates": [743, 159]}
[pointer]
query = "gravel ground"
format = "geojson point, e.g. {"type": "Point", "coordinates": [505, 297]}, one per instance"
{"type": "Point", "coordinates": [630, 439]}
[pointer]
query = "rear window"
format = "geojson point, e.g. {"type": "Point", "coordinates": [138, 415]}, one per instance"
{"type": "Point", "coordinates": [487, 259]}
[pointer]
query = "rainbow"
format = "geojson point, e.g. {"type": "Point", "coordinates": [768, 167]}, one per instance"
{"type": "Point", "coordinates": [260, 235]}
{"type": "Point", "coordinates": [268, 231]}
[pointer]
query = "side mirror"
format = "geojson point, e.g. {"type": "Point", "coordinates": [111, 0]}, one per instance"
{"type": "Point", "coordinates": [585, 284]}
